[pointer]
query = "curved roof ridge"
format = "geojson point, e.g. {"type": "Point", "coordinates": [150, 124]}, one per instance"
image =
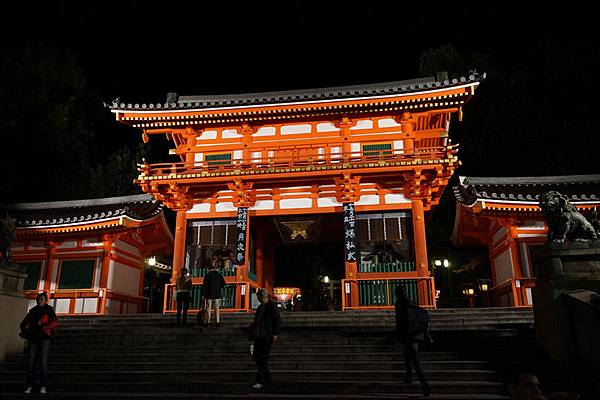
{"type": "Point", "coordinates": [79, 203]}
{"type": "Point", "coordinates": [309, 91]}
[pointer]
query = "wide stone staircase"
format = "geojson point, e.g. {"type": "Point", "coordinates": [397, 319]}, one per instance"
{"type": "Point", "coordinates": [319, 355]}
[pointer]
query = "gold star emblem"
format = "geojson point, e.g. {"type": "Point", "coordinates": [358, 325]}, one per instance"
{"type": "Point", "coordinates": [298, 228]}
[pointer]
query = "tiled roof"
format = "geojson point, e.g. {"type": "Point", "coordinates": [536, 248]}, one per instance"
{"type": "Point", "coordinates": [77, 212]}
{"type": "Point", "coordinates": [578, 188]}
{"type": "Point", "coordinates": [175, 102]}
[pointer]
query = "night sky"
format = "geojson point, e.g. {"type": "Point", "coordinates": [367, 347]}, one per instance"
{"type": "Point", "coordinates": [139, 52]}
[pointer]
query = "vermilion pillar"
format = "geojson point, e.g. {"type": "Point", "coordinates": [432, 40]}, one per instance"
{"type": "Point", "coordinates": [418, 219]}
{"type": "Point", "coordinates": [407, 132]}
{"type": "Point", "coordinates": [107, 243]}
{"type": "Point", "coordinates": [49, 265]}
{"type": "Point", "coordinates": [259, 254]}
{"type": "Point", "coordinates": [419, 236]}
{"type": "Point", "coordinates": [351, 270]}
{"type": "Point", "coordinates": [179, 247]}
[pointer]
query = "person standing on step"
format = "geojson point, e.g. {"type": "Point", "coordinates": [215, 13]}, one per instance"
{"type": "Point", "coordinates": [411, 327]}
{"type": "Point", "coordinates": [183, 287]}
{"type": "Point", "coordinates": [37, 327]}
{"type": "Point", "coordinates": [264, 331]}
{"type": "Point", "coordinates": [213, 283]}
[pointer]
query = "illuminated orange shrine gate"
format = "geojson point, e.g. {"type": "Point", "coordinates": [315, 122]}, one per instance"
{"type": "Point", "coordinates": [260, 168]}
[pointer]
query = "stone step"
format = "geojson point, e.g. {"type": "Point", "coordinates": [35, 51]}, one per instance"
{"type": "Point", "coordinates": [192, 355]}
{"type": "Point", "coordinates": [479, 310]}
{"type": "Point", "coordinates": [57, 376]}
{"type": "Point", "coordinates": [259, 395]}
{"type": "Point", "coordinates": [353, 327]}
{"type": "Point", "coordinates": [373, 386]}
{"type": "Point", "coordinates": [238, 345]}
{"type": "Point", "coordinates": [240, 365]}
{"type": "Point", "coordinates": [283, 341]}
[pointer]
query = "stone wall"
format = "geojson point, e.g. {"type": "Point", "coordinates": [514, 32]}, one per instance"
{"type": "Point", "coordinates": [567, 323]}
{"type": "Point", "coordinates": [13, 307]}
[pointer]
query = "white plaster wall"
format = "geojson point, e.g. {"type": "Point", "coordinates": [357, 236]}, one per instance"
{"type": "Point", "coordinates": [225, 206]}
{"type": "Point", "coordinates": [523, 254]}
{"type": "Point", "coordinates": [123, 278]}
{"type": "Point", "coordinates": [328, 202]}
{"type": "Point", "coordinates": [367, 200]}
{"type": "Point", "coordinates": [62, 306]}
{"type": "Point", "coordinates": [207, 135]}
{"type": "Point", "coordinates": [200, 207]}
{"type": "Point", "coordinates": [363, 124]}
{"type": "Point", "coordinates": [37, 246]}
{"type": "Point", "coordinates": [504, 266]}
{"type": "Point", "coordinates": [398, 146]}
{"type": "Point", "coordinates": [97, 273]}
{"type": "Point", "coordinates": [237, 154]}
{"type": "Point", "coordinates": [387, 123]}
{"type": "Point", "coordinates": [54, 275]}
{"type": "Point", "coordinates": [86, 305]}
{"type": "Point", "coordinates": [326, 127]}
{"type": "Point", "coordinates": [230, 133]}
{"type": "Point", "coordinates": [127, 247]}
{"type": "Point", "coordinates": [395, 198]}
{"type": "Point", "coordinates": [295, 203]}
{"type": "Point", "coordinates": [113, 306]}
{"type": "Point", "coordinates": [265, 131]}
{"type": "Point", "coordinates": [499, 233]}
{"type": "Point", "coordinates": [263, 205]}
{"type": "Point", "coordinates": [291, 129]}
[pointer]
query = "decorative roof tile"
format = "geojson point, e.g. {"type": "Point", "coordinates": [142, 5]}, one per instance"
{"type": "Point", "coordinates": [175, 102]}
{"type": "Point", "coordinates": [579, 188]}
{"type": "Point", "coordinates": [64, 213]}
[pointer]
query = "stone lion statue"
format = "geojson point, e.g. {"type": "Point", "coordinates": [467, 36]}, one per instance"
{"type": "Point", "coordinates": [563, 219]}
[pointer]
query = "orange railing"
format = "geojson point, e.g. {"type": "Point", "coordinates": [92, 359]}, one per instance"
{"type": "Point", "coordinates": [298, 156]}
{"type": "Point", "coordinates": [236, 296]}
{"type": "Point", "coordinates": [379, 293]}
{"type": "Point", "coordinates": [515, 289]}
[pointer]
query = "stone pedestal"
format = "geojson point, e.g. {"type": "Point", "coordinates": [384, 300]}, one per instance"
{"type": "Point", "coordinates": [13, 307]}
{"type": "Point", "coordinates": [562, 271]}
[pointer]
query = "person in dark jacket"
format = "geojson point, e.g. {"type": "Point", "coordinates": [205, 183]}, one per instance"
{"type": "Point", "coordinates": [37, 328]}
{"type": "Point", "coordinates": [267, 314]}
{"type": "Point", "coordinates": [408, 332]}
{"type": "Point", "coordinates": [183, 286]}
{"type": "Point", "coordinates": [213, 283]}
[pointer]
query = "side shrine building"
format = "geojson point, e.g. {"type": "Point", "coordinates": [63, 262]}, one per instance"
{"type": "Point", "coordinates": [269, 182]}
{"type": "Point", "coordinates": [503, 214]}
{"type": "Point", "coordinates": [88, 255]}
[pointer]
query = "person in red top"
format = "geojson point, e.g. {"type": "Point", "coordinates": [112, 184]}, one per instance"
{"type": "Point", "coordinates": [37, 328]}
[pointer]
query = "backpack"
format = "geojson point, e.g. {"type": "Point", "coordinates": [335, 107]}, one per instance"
{"type": "Point", "coordinates": [418, 320]}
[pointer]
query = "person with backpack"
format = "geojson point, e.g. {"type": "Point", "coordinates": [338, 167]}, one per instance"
{"type": "Point", "coordinates": [184, 286]}
{"type": "Point", "coordinates": [264, 331]}
{"type": "Point", "coordinates": [37, 327]}
{"type": "Point", "coordinates": [213, 283]}
{"type": "Point", "coordinates": [412, 324]}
